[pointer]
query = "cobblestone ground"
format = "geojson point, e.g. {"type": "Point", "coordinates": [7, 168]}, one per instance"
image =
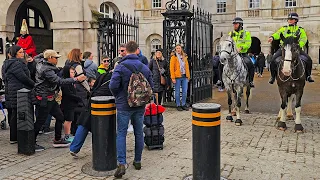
{"type": "Point", "coordinates": [256, 150]}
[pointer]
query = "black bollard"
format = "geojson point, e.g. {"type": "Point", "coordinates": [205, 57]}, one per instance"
{"type": "Point", "coordinates": [25, 124]}
{"type": "Point", "coordinates": [206, 141]}
{"type": "Point", "coordinates": [103, 126]}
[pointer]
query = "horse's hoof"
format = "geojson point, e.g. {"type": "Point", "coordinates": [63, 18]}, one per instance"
{"type": "Point", "coordinates": [229, 118]}
{"type": "Point", "coordinates": [290, 117]}
{"type": "Point", "coordinates": [247, 111]}
{"type": "Point", "coordinates": [238, 122]}
{"type": "Point", "coordinates": [298, 128]}
{"type": "Point", "coordinates": [282, 126]}
{"type": "Point", "coordinates": [233, 113]}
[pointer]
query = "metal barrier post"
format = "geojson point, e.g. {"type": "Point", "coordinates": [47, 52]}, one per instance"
{"type": "Point", "coordinates": [206, 141]}
{"type": "Point", "coordinates": [103, 126]}
{"type": "Point", "coordinates": [25, 124]}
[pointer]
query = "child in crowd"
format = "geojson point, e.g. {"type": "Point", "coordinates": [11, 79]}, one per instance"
{"type": "Point", "coordinates": [91, 82]}
{"type": "Point", "coordinates": [69, 101]}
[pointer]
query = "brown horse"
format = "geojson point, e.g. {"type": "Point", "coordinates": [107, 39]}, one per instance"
{"type": "Point", "coordinates": [290, 80]}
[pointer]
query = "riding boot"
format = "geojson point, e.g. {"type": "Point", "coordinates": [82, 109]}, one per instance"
{"type": "Point", "coordinates": [251, 76]}
{"type": "Point", "coordinates": [273, 73]}
{"type": "Point", "coordinates": [308, 71]}
{"type": "Point", "coordinates": [308, 63]}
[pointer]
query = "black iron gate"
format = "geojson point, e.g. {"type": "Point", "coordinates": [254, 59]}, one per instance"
{"type": "Point", "coordinates": [194, 31]}
{"type": "Point", "coordinates": [115, 31]}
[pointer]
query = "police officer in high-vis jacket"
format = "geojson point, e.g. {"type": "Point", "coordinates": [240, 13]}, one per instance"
{"type": "Point", "coordinates": [291, 30]}
{"type": "Point", "coordinates": [242, 38]}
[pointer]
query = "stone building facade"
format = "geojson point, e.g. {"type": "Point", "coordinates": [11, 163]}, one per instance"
{"type": "Point", "coordinates": [63, 25]}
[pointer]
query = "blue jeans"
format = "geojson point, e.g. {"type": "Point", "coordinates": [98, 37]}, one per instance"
{"type": "Point", "coordinates": [184, 83]}
{"type": "Point", "coordinates": [123, 118]}
{"type": "Point", "coordinates": [79, 139]}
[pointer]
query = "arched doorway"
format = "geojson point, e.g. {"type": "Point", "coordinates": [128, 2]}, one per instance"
{"type": "Point", "coordinates": [38, 16]}
{"type": "Point", "coordinates": [255, 46]}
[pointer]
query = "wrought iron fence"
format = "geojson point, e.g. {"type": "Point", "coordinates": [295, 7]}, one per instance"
{"type": "Point", "coordinates": [115, 31]}
{"type": "Point", "coordinates": [194, 31]}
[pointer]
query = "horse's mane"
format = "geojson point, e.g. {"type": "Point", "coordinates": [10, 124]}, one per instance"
{"type": "Point", "coordinates": [290, 40]}
{"type": "Point", "coordinates": [225, 37]}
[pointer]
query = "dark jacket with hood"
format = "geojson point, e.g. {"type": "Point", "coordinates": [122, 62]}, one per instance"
{"type": "Point", "coordinates": [16, 77]}
{"type": "Point", "coordinates": [47, 80]}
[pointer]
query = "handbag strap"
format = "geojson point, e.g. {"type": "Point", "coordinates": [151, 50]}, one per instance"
{"type": "Point", "coordinates": [158, 67]}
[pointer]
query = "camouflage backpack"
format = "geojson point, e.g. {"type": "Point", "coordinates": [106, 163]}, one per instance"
{"type": "Point", "coordinates": [139, 89]}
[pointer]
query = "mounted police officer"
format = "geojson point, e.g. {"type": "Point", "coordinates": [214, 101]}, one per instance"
{"type": "Point", "coordinates": [291, 30]}
{"type": "Point", "coordinates": [242, 38]}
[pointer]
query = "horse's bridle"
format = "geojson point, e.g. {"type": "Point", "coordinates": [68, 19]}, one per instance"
{"type": "Point", "coordinates": [230, 53]}
{"type": "Point", "coordinates": [232, 57]}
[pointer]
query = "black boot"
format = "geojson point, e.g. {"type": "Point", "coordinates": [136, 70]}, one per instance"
{"type": "Point", "coordinates": [251, 84]}
{"type": "Point", "coordinates": [309, 79]}
{"type": "Point", "coordinates": [273, 77]}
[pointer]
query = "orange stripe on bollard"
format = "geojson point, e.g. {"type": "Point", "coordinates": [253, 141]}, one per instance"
{"type": "Point", "coordinates": [206, 124]}
{"type": "Point", "coordinates": [103, 105]}
{"type": "Point", "coordinates": [206, 115]}
{"type": "Point", "coordinates": [103, 113]}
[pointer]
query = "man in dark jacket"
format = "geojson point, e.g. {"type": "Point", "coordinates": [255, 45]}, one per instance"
{"type": "Point", "coordinates": [47, 83]}
{"type": "Point", "coordinates": [119, 88]}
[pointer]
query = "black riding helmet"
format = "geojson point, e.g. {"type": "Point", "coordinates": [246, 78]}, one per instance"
{"type": "Point", "coordinates": [238, 20]}
{"type": "Point", "coordinates": [293, 16]}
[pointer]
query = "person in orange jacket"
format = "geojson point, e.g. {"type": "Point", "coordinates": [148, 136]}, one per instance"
{"type": "Point", "coordinates": [180, 76]}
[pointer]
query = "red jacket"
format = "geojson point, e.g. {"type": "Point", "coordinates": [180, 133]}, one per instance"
{"type": "Point", "coordinates": [28, 45]}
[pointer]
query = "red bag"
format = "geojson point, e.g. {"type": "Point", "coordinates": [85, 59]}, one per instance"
{"type": "Point", "coordinates": [154, 110]}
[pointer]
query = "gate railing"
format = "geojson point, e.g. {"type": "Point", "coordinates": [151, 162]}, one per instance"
{"type": "Point", "coordinates": [194, 31]}
{"type": "Point", "coordinates": [115, 31]}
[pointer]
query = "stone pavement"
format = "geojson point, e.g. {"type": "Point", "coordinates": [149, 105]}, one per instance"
{"type": "Point", "coordinates": [256, 150]}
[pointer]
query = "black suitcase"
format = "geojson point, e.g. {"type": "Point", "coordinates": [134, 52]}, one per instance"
{"type": "Point", "coordinates": [154, 130]}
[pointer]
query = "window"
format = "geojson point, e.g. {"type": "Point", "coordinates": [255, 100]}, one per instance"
{"type": "Point", "coordinates": [155, 44]}
{"type": "Point", "coordinates": [291, 3]}
{"type": "Point", "coordinates": [221, 6]}
{"type": "Point", "coordinates": [105, 10]}
{"type": "Point", "coordinates": [41, 24]}
{"type": "Point", "coordinates": [156, 3]}
{"type": "Point", "coordinates": [254, 4]}
{"type": "Point", "coordinates": [31, 17]}
{"type": "Point", "coordinates": [35, 18]}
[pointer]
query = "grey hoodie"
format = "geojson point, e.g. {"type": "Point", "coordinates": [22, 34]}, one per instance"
{"type": "Point", "coordinates": [91, 68]}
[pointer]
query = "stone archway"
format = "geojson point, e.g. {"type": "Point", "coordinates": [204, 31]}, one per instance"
{"type": "Point", "coordinates": [38, 16]}
{"type": "Point", "coordinates": [255, 46]}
